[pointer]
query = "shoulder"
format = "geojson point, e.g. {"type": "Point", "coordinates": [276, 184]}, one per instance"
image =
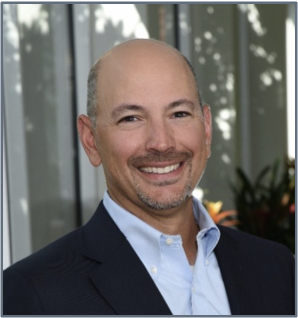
{"type": "Point", "coordinates": [55, 278]}
{"type": "Point", "coordinates": [24, 281]}
{"type": "Point", "coordinates": [262, 269]}
{"type": "Point", "coordinates": [61, 248]}
{"type": "Point", "coordinates": [63, 251]}
{"type": "Point", "coordinates": [254, 246]}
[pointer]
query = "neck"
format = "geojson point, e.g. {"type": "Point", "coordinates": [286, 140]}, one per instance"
{"type": "Point", "coordinates": [179, 222]}
{"type": "Point", "coordinates": [188, 229]}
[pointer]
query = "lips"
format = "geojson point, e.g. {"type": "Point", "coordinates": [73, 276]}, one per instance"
{"type": "Point", "coordinates": [160, 170]}
{"type": "Point", "coordinates": [160, 166]}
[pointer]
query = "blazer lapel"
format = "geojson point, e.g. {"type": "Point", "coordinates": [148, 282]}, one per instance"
{"type": "Point", "coordinates": [120, 277]}
{"type": "Point", "coordinates": [238, 275]}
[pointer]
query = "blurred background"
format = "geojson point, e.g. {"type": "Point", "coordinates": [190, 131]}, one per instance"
{"type": "Point", "coordinates": [244, 56]}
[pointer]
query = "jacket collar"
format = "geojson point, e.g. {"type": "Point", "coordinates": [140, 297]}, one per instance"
{"type": "Point", "coordinates": [120, 277]}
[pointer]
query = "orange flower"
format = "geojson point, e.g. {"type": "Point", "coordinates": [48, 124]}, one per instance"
{"type": "Point", "coordinates": [218, 216]}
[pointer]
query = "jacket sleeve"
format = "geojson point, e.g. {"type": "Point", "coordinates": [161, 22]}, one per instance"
{"type": "Point", "coordinates": [19, 295]}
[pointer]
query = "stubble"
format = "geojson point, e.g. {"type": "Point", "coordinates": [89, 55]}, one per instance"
{"type": "Point", "coordinates": [174, 200]}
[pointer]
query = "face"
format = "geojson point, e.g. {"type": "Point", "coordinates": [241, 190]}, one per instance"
{"type": "Point", "coordinates": [151, 136]}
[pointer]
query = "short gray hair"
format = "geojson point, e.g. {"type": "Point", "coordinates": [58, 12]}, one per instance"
{"type": "Point", "coordinates": [195, 78]}
{"type": "Point", "coordinates": [92, 95]}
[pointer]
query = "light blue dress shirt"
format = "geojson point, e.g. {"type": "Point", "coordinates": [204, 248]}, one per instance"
{"type": "Point", "coordinates": [188, 290]}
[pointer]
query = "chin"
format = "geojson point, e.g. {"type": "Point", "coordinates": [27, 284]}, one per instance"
{"type": "Point", "coordinates": [167, 201]}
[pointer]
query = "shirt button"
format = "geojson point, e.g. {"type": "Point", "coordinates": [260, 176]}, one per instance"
{"type": "Point", "coordinates": [206, 262]}
{"type": "Point", "coordinates": [153, 269]}
{"type": "Point", "coordinates": [169, 241]}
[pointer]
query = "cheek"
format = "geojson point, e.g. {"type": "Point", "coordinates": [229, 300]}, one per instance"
{"type": "Point", "coordinates": [119, 148]}
{"type": "Point", "coordinates": [193, 138]}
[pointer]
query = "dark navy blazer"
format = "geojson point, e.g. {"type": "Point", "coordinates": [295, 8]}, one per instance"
{"type": "Point", "coordinates": [95, 271]}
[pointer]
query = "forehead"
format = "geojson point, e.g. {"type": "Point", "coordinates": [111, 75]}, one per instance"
{"type": "Point", "coordinates": [144, 70]}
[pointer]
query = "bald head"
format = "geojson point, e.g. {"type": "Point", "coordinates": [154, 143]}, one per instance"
{"type": "Point", "coordinates": [138, 54]}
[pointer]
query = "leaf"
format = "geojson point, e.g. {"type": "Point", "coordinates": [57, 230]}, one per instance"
{"type": "Point", "coordinates": [246, 183]}
{"type": "Point", "coordinates": [274, 173]}
{"type": "Point", "coordinates": [261, 175]}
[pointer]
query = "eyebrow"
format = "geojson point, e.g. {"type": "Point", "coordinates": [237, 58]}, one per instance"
{"type": "Point", "coordinates": [126, 107]}
{"type": "Point", "coordinates": [180, 102]}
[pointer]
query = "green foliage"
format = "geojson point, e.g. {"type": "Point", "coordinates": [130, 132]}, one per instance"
{"type": "Point", "coordinates": [266, 208]}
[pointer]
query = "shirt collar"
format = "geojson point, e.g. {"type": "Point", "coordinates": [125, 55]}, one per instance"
{"type": "Point", "coordinates": [209, 233]}
{"type": "Point", "coordinates": [140, 234]}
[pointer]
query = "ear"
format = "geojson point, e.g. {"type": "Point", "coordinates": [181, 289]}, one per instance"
{"type": "Point", "coordinates": [208, 128]}
{"type": "Point", "coordinates": [87, 138]}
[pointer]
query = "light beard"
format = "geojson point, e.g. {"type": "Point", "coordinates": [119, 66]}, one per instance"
{"type": "Point", "coordinates": [164, 203]}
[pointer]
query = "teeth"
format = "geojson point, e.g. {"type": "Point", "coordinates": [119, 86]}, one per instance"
{"type": "Point", "coordinates": [160, 170]}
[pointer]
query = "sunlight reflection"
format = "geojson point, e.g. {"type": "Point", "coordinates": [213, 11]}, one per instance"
{"type": "Point", "coordinates": [224, 126]}
{"type": "Point", "coordinates": [223, 100]}
{"type": "Point", "coordinates": [225, 158]}
{"type": "Point", "coordinates": [198, 193]}
{"type": "Point", "coordinates": [210, 10]}
{"type": "Point", "coordinates": [33, 13]}
{"type": "Point", "coordinates": [198, 43]}
{"type": "Point", "coordinates": [253, 16]}
{"type": "Point", "coordinates": [120, 14]}
{"type": "Point", "coordinates": [224, 119]}
{"type": "Point", "coordinates": [227, 114]}
{"type": "Point", "coordinates": [208, 35]}
{"type": "Point", "coordinates": [277, 75]}
{"type": "Point", "coordinates": [261, 52]}
{"type": "Point", "coordinates": [84, 15]}
{"type": "Point", "coordinates": [18, 88]}
{"type": "Point", "coordinates": [213, 87]}
{"type": "Point", "coordinates": [24, 206]}
{"type": "Point", "coordinates": [270, 75]}
{"type": "Point", "coordinates": [266, 78]}
{"type": "Point", "coordinates": [198, 40]}
{"type": "Point", "coordinates": [11, 34]}
{"type": "Point", "coordinates": [202, 60]}
{"type": "Point", "coordinates": [230, 82]}
{"type": "Point", "coordinates": [16, 57]}
{"type": "Point", "coordinates": [28, 47]}
{"type": "Point", "coordinates": [216, 56]}
{"type": "Point", "coordinates": [183, 23]}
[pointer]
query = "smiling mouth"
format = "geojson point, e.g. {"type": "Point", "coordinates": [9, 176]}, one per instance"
{"type": "Point", "coordinates": [160, 170]}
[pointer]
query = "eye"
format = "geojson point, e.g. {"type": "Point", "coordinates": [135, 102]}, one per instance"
{"type": "Point", "coordinates": [181, 114]}
{"type": "Point", "coordinates": [128, 119]}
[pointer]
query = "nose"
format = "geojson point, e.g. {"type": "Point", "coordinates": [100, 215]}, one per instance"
{"type": "Point", "coordinates": [160, 137]}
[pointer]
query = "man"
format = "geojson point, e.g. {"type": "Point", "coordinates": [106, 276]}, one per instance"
{"type": "Point", "coordinates": [150, 248]}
